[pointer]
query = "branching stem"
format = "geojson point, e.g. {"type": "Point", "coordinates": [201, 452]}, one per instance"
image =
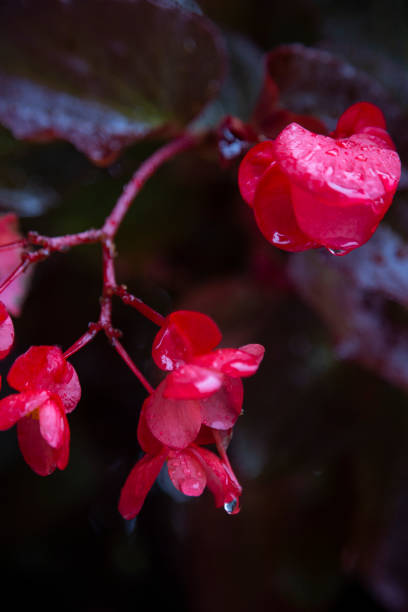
{"type": "Point", "coordinates": [37, 247]}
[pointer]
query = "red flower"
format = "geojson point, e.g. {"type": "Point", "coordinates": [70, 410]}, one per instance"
{"type": "Point", "coordinates": [6, 332]}
{"type": "Point", "coordinates": [190, 470]}
{"type": "Point", "coordinates": [49, 388]}
{"type": "Point", "coordinates": [204, 386]}
{"type": "Point", "coordinates": [309, 190]}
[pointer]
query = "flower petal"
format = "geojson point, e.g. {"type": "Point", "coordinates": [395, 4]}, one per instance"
{"type": "Point", "coordinates": [52, 424]}
{"type": "Point", "coordinates": [358, 117]}
{"type": "Point", "coordinates": [186, 473]}
{"type": "Point", "coordinates": [44, 367]}
{"type": "Point", "coordinates": [184, 334]}
{"type": "Point", "coordinates": [146, 439]}
{"type": "Point", "coordinates": [40, 456]}
{"type": "Point", "coordinates": [233, 362]}
{"type": "Point", "coordinates": [274, 213]}
{"type": "Point", "coordinates": [192, 382]}
{"type": "Point", "coordinates": [222, 409]}
{"type": "Point", "coordinates": [223, 485]}
{"type": "Point", "coordinates": [138, 484]}
{"type": "Point", "coordinates": [254, 165]}
{"type": "Point", "coordinates": [17, 406]}
{"type": "Point", "coordinates": [175, 423]}
{"type": "Point", "coordinates": [341, 188]}
{"type": "Point", "coordinates": [6, 332]}
{"type": "Point", "coordinates": [63, 451]}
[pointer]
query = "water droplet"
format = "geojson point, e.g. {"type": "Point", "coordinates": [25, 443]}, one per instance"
{"type": "Point", "coordinates": [361, 157]}
{"type": "Point", "coordinates": [230, 506]}
{"type": "Point", "coordinates": [332, 152]}
{"type": "Point", "coordinates": [337, 251]}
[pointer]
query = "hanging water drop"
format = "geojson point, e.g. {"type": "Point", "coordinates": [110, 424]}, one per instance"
{"type": "Point", "coordinates": [230, 506]}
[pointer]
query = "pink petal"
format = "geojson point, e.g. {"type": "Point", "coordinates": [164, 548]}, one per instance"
{"type": "Point", "coordinates": [175, 423]}
{"type": "Point", "coordinates": [17, 406]}
{"type": "Point", "coordinates": [340, 189]}
{"type": "Point", "coordinates": [192, 382]}
{"type": "Point", "coordinates": [222, 409]}
{"type": "Point", "coordinates": [257, 350]}
{"type": "Point", "coordinates": [358, 117]}
{"type": "Point", "coordinates": [52, 424]}
{"type": "Point", "coordinates": [233, 362]}
{"type": "Point", "coordinates": [44, 367]}
{"type": "Point", "coordinates": [14, 295]}
{"type": "Point", "coordinates": [253, 167]}
{"type": "Point", "coordinates": [147, 441]}
{"type": "Point", "coordinates": [40, 456]}
{"type": "Point", "coordinates": [184, 334]}
{"type": "Point", "coordinates": [6, 332]}
{"type": "Point", "coordinates": [223, 485]}
{"type": "Point", "coordinates": [138, 484]}
{"type": "Point", "coordinates": [186, 473]}
{"type": "Point", "coordinates": [63, 451]}
{"type": "Point", "coordinates": [274, 213]}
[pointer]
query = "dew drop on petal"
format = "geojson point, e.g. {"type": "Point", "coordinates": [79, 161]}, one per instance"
{"type": "Point", "coordinates": [230, 506]}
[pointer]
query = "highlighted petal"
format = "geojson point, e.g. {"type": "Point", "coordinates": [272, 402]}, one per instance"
{"type": "Point", "coordinates": [254, 165]}
{"type": "Point", "coordinates": [274, 213]}
{"type": "Point", "coordinates": [138, 484]}
{"type": "Point", "coordinates": [186, 473]}
{"type": "Point", "coordinates": [222, 409]}
{"type": "Point", "coordinates": [184, 334]}
{"type": "Point", "coordinates": [14, 407]}
{"type": "Point", "coordinates": [44, 367]}
{"type": "Point", "coordinates": [52, 423]}
{"type": "Point", "coordinates": [340, 189]}
{"type": "Point", "coordinates": [146, 439]}
{"type": "Point", "coordinates": [192, 382]}
{"type": "Point", "coordinates": [40, 456]}
{"type": "Point", "coordinates": [358, 117]}
{"type": "Point", "coordinates": [223, 485]}
{"type": "Point", "coordinates": [175, 422]}
{"type": "Point", "coordinates": [6, 332]}
{"type": "Point", "coordinates": [233, 362]}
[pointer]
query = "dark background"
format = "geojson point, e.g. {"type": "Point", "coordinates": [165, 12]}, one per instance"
{"type": "Point", "coordinates": [322, 448]}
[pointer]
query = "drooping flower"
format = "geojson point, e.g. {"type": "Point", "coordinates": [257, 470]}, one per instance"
{"type": "Point", "coordinates": [203, 387]}
{"type": "Point", "coordinates": [49, 389]}
{"type": "Point", "coordinates": [309, 190]}
{"type": "Point", "coordinates": [190, 469]}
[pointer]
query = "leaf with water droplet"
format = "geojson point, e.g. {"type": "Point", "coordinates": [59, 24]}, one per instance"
{"type": "Point", "coordinates": [104, 83]}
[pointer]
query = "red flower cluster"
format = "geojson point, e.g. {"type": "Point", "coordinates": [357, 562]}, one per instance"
{"type": "Point", "coordinates": [49, 388]}
{"type": "Point", "coordinates": [196, 404]}
{"type": "Point", "coordinates": [309, 190]}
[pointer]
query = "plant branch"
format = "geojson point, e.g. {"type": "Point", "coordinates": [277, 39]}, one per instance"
{"type": "Point", "coordinates": [144, 172]}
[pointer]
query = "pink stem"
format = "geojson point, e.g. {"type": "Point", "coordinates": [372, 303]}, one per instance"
{"type": "Point", "coordinates": [144, 172]}
{"type": "Point", "coordinates": [60, 243]}
{"type": "Point", "coordinates": [83, 340]}
{"type": "Point", "coordinates": [136, 303]}
{"type": "Point", "coordinates": [126, 358]}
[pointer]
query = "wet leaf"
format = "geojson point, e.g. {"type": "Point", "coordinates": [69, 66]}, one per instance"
{"type": "Point", "coordinates": [357, 296]}
{"type": "Point", "coordinates": [104, 74]}
{"type": "Point", "coordinates": [319, 83]}
{"type": "Point", "coordinates": [242, 84]}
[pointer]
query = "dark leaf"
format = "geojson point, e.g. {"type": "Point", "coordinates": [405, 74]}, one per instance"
{"type": "Point", "coordinates": [358, 297]}
{"type": "Point", "coordinates": [242, 85]}
{"type": "Point", "coordinates": [319, 83]}
{"type": "Point", "coordinates": [104, 74]}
